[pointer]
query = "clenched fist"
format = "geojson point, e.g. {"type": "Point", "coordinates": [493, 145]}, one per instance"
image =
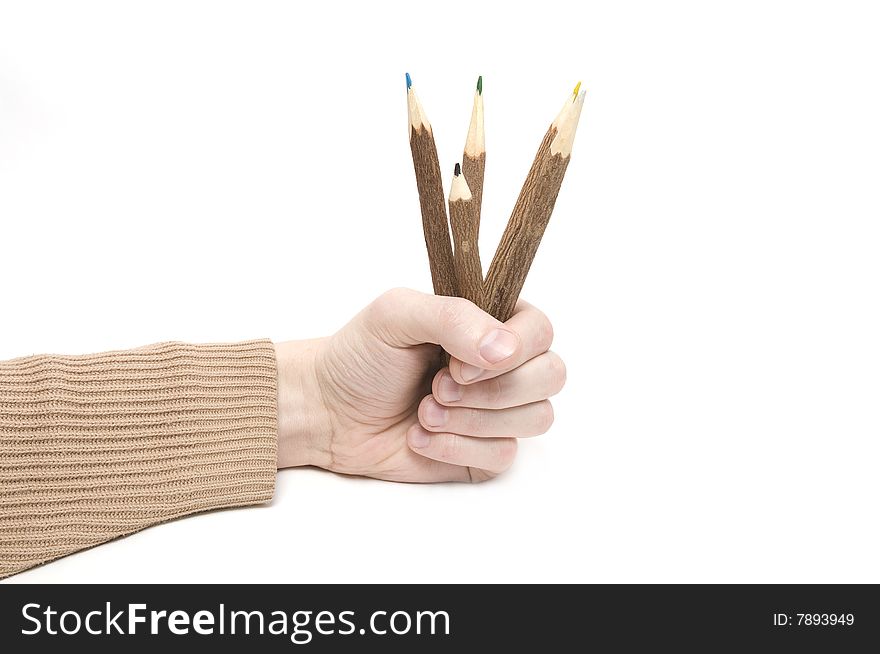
{"type": "Point", "coordinates": [374, 400]}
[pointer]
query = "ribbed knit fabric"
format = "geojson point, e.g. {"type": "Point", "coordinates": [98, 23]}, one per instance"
{"type": "Point", "coordinates": [98, 446]}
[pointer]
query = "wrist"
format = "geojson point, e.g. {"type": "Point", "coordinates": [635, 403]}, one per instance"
{"type": "Point", "coordinates": [304, 427]}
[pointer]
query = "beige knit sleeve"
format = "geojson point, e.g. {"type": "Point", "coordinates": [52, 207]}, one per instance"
{"type": "Point", "coordinates": [98, 446]}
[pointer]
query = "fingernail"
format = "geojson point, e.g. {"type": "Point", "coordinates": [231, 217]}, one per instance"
{"type": "Point", "coordinates": [449, 390]}
{"type": "Point", "coordinates": [469, 372]}
{"type": "Point", "coordinates": [418, 437]}
{"type": "Point", "coordinates": [435, 415]}
{"type": "Point", "coordinates": [498, 345]}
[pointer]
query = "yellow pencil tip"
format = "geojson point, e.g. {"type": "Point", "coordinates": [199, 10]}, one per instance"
{"type": "Point", "coordinates": [576, 89]}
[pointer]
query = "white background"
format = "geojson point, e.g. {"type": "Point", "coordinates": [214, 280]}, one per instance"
{"type": "Point", "coordinates": [213, 171]}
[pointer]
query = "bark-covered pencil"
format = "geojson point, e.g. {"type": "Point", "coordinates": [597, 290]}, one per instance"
{"type": "Point", "coordinates": [531, 213]}
{"type": "Point", "coordinates": [473, 161]}
{"type": "Point", "coordinates": [431, 196]}
{"type": "Point", "coordinates": [463, 212]}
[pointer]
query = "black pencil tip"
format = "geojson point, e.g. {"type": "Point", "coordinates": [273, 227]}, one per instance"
{"type": "Point", "coordinates": [457, 170]}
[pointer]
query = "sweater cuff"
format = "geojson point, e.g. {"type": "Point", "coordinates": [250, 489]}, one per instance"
{"type": "Point", "coordinates": [98, 446]}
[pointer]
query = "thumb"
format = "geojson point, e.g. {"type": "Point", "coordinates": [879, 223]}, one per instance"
{"type": "Point", "coordinates": [402, 317]}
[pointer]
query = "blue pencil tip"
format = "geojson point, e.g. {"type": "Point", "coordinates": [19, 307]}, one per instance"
{"type": "Point", "coordinates": [408, 82]}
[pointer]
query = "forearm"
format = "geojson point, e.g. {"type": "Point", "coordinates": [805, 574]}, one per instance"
{"type": "Point", "coordinates": [98, 446]}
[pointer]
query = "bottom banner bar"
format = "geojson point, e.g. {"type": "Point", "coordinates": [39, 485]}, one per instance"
{"type": "Point", "coordinates": [441, 617]}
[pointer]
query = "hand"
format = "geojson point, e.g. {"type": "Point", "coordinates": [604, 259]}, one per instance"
{"type": "Point", "coordinates": [370, 399]}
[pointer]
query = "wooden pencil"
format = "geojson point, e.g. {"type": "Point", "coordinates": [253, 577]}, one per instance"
{"type": "Point", "coordinates": [551, 131]}
{"type": "Point", "coordinates": [463, 211]}
{"type": "Point", "coordinates": [473, 161]}
{"type": "Point", "coordinates": [532, 211]}
{"type": "Point", "coordinates": [431, 196]}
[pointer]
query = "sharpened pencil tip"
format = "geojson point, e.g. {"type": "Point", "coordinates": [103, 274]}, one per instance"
{"type": "Point", "coordinates": [408, 82]}
{"type": "Point", "coordinates": [480, 85]}
{"type": "Point", "coordinates": [574, 93]}
{"type": "Point", "coordinates": [457, 170]}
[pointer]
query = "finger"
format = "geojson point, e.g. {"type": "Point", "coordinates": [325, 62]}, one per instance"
{"type": "Point", "coordinates": [535, 380]}
{"type": "Point", "coordinates": [519, 422]}
{"type": "Point", "coordinates": [536, 336]}
{"type": "Point", "coordinates": [422, 470]}
{"type": "Point", "coordinates": [402, 317]}
{"type": "Point", "coordinates": [492, 454]}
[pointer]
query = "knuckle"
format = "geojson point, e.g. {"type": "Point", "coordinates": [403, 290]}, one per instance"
{"type": "Point", "coordinates": [494, 391]}
{"type": "Point", "coordinates": [544, 417]}
{"type": "Point", "coordinates": [452, 311]}
{"type": "Point", "coordinates": [504, 454]}
{"type": "Point", "coordinates": [558, 373]}
{"type": "Point", "coordinates": [545, 333]}
{"type": "Point", "coordinates": [457, 314]}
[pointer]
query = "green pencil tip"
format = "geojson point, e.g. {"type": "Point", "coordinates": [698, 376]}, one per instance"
{"type": "Point", "coordinates": [480, 85]}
